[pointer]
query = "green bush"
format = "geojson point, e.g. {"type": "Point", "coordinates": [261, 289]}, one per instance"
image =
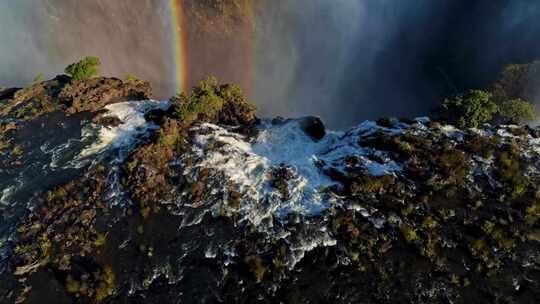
{"type": "Point", "coordinates": [516, 91]}
{"type": "Point", "coordinates": [214, 102]}
{"type": "Point", "coordinates": [517, 110]}
{"type": "Point", "coordinates": [39, 78]}
{"type": "Point", "coordinates": [133, 80]}
{"type": "Point", "coordinates": [84, 69]}
{"type": "Point", "coordinates": [204, 101]}
{"type": "Point", "coordinates": [517, 81]}
{"type": "Point", "coordinates": [469, 110]}
{"type": "Point", "coordinates": [511, 99]}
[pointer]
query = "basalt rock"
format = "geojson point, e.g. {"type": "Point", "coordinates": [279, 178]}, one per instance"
{"type": "Point", "coordinates": [200, 211]}
{"type": "Point", "coordinates": [69, 96]}
{"type": "Point", "coordinates": [95, 93]}
{"type": "Point", "coordinates": [8, 93]}
{"type": "Point", "coordinates": [159, 116]}
{"type": "Point", "coordinates": [107, 121]}
{"type": "Point", "coordinates": [313, 126]}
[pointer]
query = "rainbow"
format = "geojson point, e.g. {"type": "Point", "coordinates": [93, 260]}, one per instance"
{"type": "Point", "coordinates": [179, 37]}
{"type": "Point", "coordinates": [225, 49]}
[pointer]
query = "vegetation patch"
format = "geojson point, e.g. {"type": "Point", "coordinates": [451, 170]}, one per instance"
{"type": "Point", "coordinates": [64, 233]}
{"type": "Point", "coordinates": [84, 69]}
{"type": "Point", "coordinates": [511, 99]}
{"type": "Point", "coordinates": [469, 110]}
{"type": "Point", "coordinates": [214, 102]}
{"type": "Point", "coordinates": [280, 177]}
{"type": "Point", "coordinates": [149, 175]}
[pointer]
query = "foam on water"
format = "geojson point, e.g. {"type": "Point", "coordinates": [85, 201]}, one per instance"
{"type": "Point", "coordinates": [5, 194]}
{"type": "Point", "coordinates": [348, 146]}
{"type": "Point", "coordinates": [535, 143]}
{"type": "Point", "coordinates": [133, 124]}
{"type": "Point", "coordinates": [245, 165]}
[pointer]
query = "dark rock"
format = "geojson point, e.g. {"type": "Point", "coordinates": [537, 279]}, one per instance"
{"type": "Point", "coordinates": [387, 122]}
{"type": "Point", "coordinates": [406, 120]}
{"type": "Point", "coordinates": [313, 126]}
{"type": "Point", "coordinates": [93, 94]}
{"type": "Point", "coordinates": [158, 116]}
{"type": "Point", "coordinates": [280, 177]}
{"type": "Point", "coordinates": [8, 93]}
{"type": "Point", "coordinates": [534, 132]}
{"type": "Point", "coordinates": [278, 120]}
{"type": "Point", "coordinates": [108, 121]}
{"type": "Point", "coordinates": [65, 79]}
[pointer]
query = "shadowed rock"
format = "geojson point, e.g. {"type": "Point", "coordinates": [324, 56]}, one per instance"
{"type": "Point", "coordinates": [313, 126]}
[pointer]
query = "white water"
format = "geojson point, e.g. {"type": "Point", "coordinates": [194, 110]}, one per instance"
{"type": "Point", "coordinates": [133, 124]}
{"type": "Point", "coordinates": [245, 165]}
{"type": "Point", "coordinates": [248, 166]}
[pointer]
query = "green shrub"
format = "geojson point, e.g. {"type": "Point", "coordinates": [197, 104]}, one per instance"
{"type": "Point", "coordinates": [133, 80]}
{"type": "Point", "coordinates": [84, 69]}
{"type": "Point", "coordinates": [469, 110]}
{"type": "Point", "coordinates": [204, 101]}
{"type": "Point", "coordinates": [517, 81]}
{"type": "Point", "coordinates": [39, 78]}
{"type": "Point", "coordinates": [213, 102]}
{"type": "Point", "coordinates": [517, 110]}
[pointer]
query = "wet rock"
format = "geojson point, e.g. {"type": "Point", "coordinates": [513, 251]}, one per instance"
{"type": "Point", "coordinates": [535, 132]}
{"type": "Point", "coordinates": [95, 93]}
{"type": "Point", "coordinates": [70, 96]}
{"type": "Point", "coordinates": [313, 126]}
{"type": "Point", "coordinates": [280, 176]}
{"type": "Point", "coordinates": [405, 212]}
{"type": "Point", "coordinates": [108, 121]}
{"type": "Point", "coordinates": [159, 116]}
{"type": "Point", "coordinates": [278, 120]}
{"type": "Point", "coordinates": [388, 122]}
{"type": "Point", "coordinates": [8, 93]}
{"type": "Point", "coordinates": [407, 120]}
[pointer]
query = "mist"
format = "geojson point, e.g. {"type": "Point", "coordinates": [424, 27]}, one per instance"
{"type": "Point", "coordinates": [353, 60]}
{"type": "Point", "coordinates": [130, 37]}
{"type": "Point", "coordinates": [344, 60]}
{"type": "Point", "coordinates": [339, 59]}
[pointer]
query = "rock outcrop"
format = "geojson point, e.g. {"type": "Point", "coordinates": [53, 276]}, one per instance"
{"type": "Point", "coordinates": [199, 201]}
{"type": "Point", "coordinates": [70, 96]}
{"type": "Point", "coordinates": [95, 93]}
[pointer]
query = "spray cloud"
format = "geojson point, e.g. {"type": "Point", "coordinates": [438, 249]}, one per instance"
{"type": "Point", "coordinates": [345, 60]}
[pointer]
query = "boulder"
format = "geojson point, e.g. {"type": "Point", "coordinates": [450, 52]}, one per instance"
{"type": "Point", "coordinates": [313, 126]}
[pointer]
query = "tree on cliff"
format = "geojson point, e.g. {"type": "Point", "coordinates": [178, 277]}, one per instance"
{"type": "Point", "coordinates": [511, 99]}
{"type": "Point", "coordinates": [469, 110]}
{"type": "Point", "coordinates": [84, 69]}
{"type": "Point", "coordinates": [518, 81]}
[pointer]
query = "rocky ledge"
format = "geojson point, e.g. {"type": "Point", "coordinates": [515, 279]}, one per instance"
{"type": "Point", "coordinates": [196, 200]}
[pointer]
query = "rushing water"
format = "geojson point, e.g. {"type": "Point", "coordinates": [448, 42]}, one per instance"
{"type": "Point", "coordinates": [60, 149]}
{"type": "Point", "coordinates": [234, 162]}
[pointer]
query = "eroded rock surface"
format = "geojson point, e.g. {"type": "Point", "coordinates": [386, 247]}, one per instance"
{"type": "Point", "coordinates": [158, 202]}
